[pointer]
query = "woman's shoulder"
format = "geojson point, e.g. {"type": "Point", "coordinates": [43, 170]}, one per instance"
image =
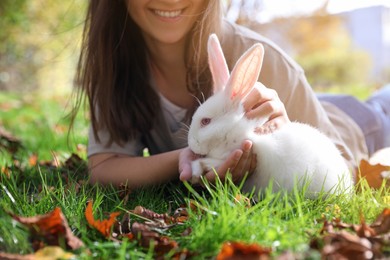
{"type": "Point", "coordinates": [236, 39]}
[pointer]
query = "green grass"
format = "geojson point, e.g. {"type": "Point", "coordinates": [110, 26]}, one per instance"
{"type": "Point", "coordinates": [41, 124]}
{"type": "Point", "coordinates": [278, 221]}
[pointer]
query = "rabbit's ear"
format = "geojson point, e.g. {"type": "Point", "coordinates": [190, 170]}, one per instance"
{"type": "Point", "coordinates": [217, 63]}
{"type": "Point", "coordinates": [246, 72]}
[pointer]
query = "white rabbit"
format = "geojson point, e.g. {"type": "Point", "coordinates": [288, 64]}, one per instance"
{"type": "Point", "coordinates": [293, 154]}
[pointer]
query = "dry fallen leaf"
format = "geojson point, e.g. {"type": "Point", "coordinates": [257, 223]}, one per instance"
{"type": "Point", "coordinates": [147, 213]}
{"type": "Point", "coordinates": [8, 141]}
{"type": "Point", "coordinates": [382, 223]}
{"type": "Point", "coordinates": [372, 173]}
{"type": "Point", "coordinates": [344, 245]}
{"type": "Point", "coordinates": [149, 232]}
{"type": "Point", "coordinates": [6, 171]}
{"type": "Point", "coordinates": [360, 242]}
{"type": "Point", "coordinates": [51, 229]}
{"type": "Point", "coordinates": [73, 163]}
{"type": "Point", "coordinates": [147, 237]}
{"type": "Point", "coordinates": [103, 226]}
{"type": "Point", "coordinates": [240, 250]}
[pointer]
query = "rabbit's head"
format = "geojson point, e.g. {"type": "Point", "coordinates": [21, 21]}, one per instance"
{"type": "Point", "coordinates": [216, 120]}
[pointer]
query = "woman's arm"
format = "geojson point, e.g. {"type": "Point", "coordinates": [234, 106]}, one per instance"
{"type": "Point", "coordinates": [112, 168]}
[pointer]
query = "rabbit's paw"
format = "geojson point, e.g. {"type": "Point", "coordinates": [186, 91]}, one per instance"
{"type": "Point", "coordinates": [203, 165]}
{"type": "Point", "coordinates": [197, 171]}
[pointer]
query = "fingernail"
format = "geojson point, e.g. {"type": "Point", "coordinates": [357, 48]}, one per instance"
{"type": "Point", "coordinates": [237, 155]}
{"type": "Point", "coordinates": [247, 146]}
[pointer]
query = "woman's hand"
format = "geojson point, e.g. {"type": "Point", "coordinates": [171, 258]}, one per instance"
{"type": "Point", "coordinates": [186, 157]}
{"type": "Point", "coordinates": [238, 163]}
{"type": "Point", "coordinates": [265, 102]}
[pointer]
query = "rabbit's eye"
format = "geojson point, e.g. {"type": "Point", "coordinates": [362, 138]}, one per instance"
{"type": "Point", "coordinates": [205, 121]}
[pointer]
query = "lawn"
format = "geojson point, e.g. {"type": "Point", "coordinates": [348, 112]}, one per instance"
{"type": "Point", "coordinates": [49, 171]}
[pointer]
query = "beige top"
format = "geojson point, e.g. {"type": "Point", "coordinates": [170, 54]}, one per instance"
{"type": "Point", "coordinates": [279, 72]}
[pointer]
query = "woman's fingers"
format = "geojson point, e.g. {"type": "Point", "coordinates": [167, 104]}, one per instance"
{"type": "Point", "coordinates": [258, 95]}
{"type": "Point", "coordinates": [263, 102]}
{"type": "Point", "coordinates": [239, 162]}
{"type": "Point", "coordinates": [185, 158]}
{"type": "Point", "coordinates": [230, 163]}
{"type": "Point", "coordinates": [243, 166]}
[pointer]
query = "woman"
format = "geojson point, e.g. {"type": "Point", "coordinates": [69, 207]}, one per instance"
{"type": "Point", "coordinates": [143, 66]}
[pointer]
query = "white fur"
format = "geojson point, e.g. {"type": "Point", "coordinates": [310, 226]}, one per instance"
{"type": "Point", "coordinates": [295, 154]}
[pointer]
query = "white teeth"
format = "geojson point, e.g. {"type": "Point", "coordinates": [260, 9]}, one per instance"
{"type": "Point", "coordinates": [171, 14]}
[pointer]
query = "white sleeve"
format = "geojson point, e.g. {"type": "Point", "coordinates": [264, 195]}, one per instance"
{"type": "Point", "coordinates": [133, 147]}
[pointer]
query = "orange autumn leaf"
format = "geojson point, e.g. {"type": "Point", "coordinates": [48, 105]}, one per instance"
{"type": "Point", "coordinates": [240, 250]}
{"type": "Point", "coordinates": [33, 160]}
{"type": "Point", "coordinates": [382, 223]}
{"type": "Point", "coordinates": [372, 173]}
{"type": "Point", "coordinates": [6, 171]}
{"type": "Point", "coordinates": [52, 227]}
{"type": "Point", "coordinates": [103, 226]}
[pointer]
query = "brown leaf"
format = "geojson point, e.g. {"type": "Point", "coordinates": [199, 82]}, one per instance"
{"type": "Point", "coordinates": [344, 245]}
{"type": "Point", "coordinates": [73, 163]}
{"type": "Point", "coordinates": [148, 237]}
{"type": "Point", "coordinates": [8, 141]}
{"type": "Point", "coordinates": [103, 226]}
{"type": "Point", "coordinates": [240, 250]}
{"type": "Point", "coordinates": [372, 173]}
{"type": "Point", "coordinates": [180, 215]}
{"type": "Point", "coordinates": [123, 227]}
{"type": "Point", "coordinates": [6, 171]}
{"type": "Point", "coordinates": [159, 220]}
{"type": "Point", "coordinates": [362, 242]}
{"type": "Point", "coordinates": [147, 213]}
{"type": "Point", "coordinates": [52, 228]}
{"type": "Point", "coordinates": [124, 192]}
{"type": "Point", "coordinates": [382, 224]}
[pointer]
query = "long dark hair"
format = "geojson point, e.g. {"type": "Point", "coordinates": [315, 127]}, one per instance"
{"type": "Point", "coordinates": [114, 75]}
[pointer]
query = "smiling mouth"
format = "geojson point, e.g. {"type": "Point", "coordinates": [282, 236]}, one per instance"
{"type": "Point", "coordinates": [168, 14]}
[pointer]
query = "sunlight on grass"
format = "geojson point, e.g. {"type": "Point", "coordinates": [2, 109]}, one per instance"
{"type": "Point", "coordinates": [41, 124]}
{"type": "Point", "coordinates": [278, 221]}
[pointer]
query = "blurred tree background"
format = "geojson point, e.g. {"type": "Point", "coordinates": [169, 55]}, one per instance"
{"type": "Point", "coordinates": [319, 42]}
{"type": "Point", "coordinates": [321, 45]}
{"type": "Point", "coordinates": [39, 42]}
